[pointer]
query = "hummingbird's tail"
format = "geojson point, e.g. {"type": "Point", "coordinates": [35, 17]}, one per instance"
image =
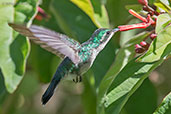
{"type": "Point", "coordinates": [50, 90]}
{"type": "Point", "coordinates": [60, 73]}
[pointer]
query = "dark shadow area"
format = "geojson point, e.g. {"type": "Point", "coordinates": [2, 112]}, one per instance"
{"type": "Point", "coordinates": [3, 91]}
{"type": "Point", "coordinates": [18, 52]}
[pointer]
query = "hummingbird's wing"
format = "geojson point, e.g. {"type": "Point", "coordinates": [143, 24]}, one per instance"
{"type": "Point", "coordinates": [56, 43]}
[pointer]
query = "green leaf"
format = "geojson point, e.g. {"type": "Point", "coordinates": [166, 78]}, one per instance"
{"type": "Point", "coordinates": [137, 103]}
{"type": "Point", "coordinates": [95, 10]}
{"type": "Point", "coordinates": [160, 47]}
{"type": "Point", "coordinates": [163, 5]}
{"type": "Point", "coordinates": [124, 55]}
{"type": "Point", "coordinates": [165, 106]}
{"type": "Point", "coordinates": [125, 84]}
{"type": "Point", "coordinates": [162, 22]}
{"type": "Point", "coordinates": [13, 47]}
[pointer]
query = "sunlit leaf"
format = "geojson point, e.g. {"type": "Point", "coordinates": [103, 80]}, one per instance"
{"type": "Point", "coordinates": [124, 55]}
{"type": "Point", "coordinates": [163, 4]}
{"type": "Point", "coordinates": [14, 48]}
{"type": "Point", "coordinates": [162, 22]}
{"type": "Point", "coordinates": [125, 84]}
{"type": "Point", "coordinates": [159, 48]}
{"type": "Point", "coordinates": [95, 10]}
{"type": "Point", "coordinates": [165, 106]}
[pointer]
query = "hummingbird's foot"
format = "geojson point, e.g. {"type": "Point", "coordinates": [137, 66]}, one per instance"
{"type": "Point", "coordinates": [77, 79]}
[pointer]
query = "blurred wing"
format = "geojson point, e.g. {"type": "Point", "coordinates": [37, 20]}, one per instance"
{"type": "Point", "coordinates": [56, 43]}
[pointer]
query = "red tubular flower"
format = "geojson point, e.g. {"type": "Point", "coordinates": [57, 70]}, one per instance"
{"type": "Point", "coordinates": [146, 22]}
{"type": "Point", "coordinates": [134, 26]}
{"type": "Point", "coordinates": [137, 15]}
{"type": "Point", "coordinates": [150, 20]}
{"type": "Point", "coordinates": [143, 2]}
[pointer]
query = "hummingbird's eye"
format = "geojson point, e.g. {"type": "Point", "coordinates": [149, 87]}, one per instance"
{"type": "Point", "coordinates": [108, 32]}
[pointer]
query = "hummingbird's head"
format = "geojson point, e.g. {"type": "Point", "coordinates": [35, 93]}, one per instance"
{"type": "Point", "coordinates": [103, 35]}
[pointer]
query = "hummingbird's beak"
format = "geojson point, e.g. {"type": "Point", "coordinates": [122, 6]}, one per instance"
{"type": "Point", "coordinates": [115, 30]}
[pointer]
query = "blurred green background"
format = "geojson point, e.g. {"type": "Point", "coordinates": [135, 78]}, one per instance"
{"type": "Point", "coordinates": [70, 98]}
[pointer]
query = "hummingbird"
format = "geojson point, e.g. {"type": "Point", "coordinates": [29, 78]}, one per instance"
{"type": "Point", "coordinates": [77, 58]}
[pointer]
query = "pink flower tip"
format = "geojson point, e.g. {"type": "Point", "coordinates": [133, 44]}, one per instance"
{"type": "Point", "coordinates": [143, 2]}
{"type": "Point", "coordinates": [153, 36]}
{"type": "Point", "coordinates": [143, 43]}
{"type": "Point", "coordinates": [40, 10]}
{"type": "Point", "coordinates": [137, 46]}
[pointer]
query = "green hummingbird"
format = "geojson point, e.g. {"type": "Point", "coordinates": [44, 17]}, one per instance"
{"type": "Point", "coordinates": [77, 58]}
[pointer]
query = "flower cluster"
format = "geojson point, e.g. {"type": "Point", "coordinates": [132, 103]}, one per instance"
{"type": "Point", "coordinates": [150, 20]}
{"type": "Point", "coordinates": [146, 22]}
{"type": "Point", "coordinates": [143, 46]}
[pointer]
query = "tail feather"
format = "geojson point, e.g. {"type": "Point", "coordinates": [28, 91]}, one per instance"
{"type": "Point", "coordinates": [50, 90]}
{"type": "Point", "coordinates": [60, 73]}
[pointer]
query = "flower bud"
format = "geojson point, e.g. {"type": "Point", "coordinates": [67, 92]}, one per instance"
{"type": "Point", "coordinates": [145, 45]}
{"type": "Point", "coordinates": [139, 49]}
{"type": "Point", "coordinates": [137, 46]}
{"type": "Point", "coordinates": [145, 8]}
{"type": "Point", "coordinates": [153, 36]}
